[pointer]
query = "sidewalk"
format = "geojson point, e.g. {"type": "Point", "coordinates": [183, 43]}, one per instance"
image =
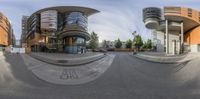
{"type": "Point", "coordinates": [1, 55]}
{"type": "Point", "coordinates": [63, 59]}
{"type": "Point", "coordinates": [67, 75]}
{"type": "Point", "coordinates": [166, 59]}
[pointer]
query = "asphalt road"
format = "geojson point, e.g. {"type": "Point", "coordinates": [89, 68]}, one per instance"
{"type": "Point", "coordinates": [127, 78]}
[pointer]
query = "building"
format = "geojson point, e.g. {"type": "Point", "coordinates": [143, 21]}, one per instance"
{"type": "Point", "coordinates": [6, 32]}
{"type": "Point", "coordinates": [12, 38]}
{"type": "Point", "coordinates": [177, 29]}
{"type": "Point", "coordinates": [60, 29]}
{"type": "Point", "coordinates": [110, 44]}
{"type": "Point", "coordinates": [24, 31]}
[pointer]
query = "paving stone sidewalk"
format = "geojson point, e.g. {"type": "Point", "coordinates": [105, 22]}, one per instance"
{"type": "Point", "coordinates": [67, 75]}
{"type": "Point", "coordinates": [167, 59]}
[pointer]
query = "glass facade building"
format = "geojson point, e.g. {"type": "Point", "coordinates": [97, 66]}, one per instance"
{"type": "Point", "coordinates": [59, 29]}
{"type": "Point", "coordinates": [74, 44]}
{"type": "Point", "coordinates": [77, 18]}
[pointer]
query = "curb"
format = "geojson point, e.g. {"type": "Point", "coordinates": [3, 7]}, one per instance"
{"type": "Point", "coordinates": [158, 60]}
{"type": "Point", "coordinates": [67, 62]}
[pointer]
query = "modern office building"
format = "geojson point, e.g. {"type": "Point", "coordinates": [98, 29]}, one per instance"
{"type": "Point", "coordinates": [6, 33]}
{"type": "Point", "coordinates": [62, 29]}
{"type": "Point", "coordinates": [24, 31]}
{"type": "Point", "coordinates": [177, 29]}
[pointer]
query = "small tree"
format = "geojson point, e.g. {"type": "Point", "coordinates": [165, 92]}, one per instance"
{"type": "Point", "coordinates": [94, 41]}
{"type": "Point", "coordinates": [149, 44]}
{"type": "Point", "coordinates": [118, 43]}
{"type": "Point", "coordinates": [137, 42]}
{"type": "Point", "coordinates": [129, 44]}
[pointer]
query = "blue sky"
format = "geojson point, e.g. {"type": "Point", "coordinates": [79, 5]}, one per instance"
{"type": "Point", "coordinates": [117, 18]}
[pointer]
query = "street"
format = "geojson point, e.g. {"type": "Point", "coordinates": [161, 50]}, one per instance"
{"type": "Point", "coordinates": [127, 78]}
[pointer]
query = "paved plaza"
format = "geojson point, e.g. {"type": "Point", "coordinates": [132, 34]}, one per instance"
{"type": "Point", "coordinates": [66, 75]}
{"type": "Point", "coordinates": [126, 78]}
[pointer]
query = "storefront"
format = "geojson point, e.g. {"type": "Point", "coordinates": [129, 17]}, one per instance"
{"type": "Point", "coordinates": [74, 45]}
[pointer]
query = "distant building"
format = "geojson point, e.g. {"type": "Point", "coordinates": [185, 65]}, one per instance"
{"type": "Point", "coordinates": [12, 38]}
{"type": "Point", "coordinates": [24, 31]}
{"type": "Point", "coordinates": [111, 44]}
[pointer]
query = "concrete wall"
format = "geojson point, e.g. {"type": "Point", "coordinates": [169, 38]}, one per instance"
{"type": "Point", "coordinates": [195, 48]}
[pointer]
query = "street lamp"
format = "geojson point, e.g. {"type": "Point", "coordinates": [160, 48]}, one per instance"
{"type": "Point", "coordinates": [133, 33]}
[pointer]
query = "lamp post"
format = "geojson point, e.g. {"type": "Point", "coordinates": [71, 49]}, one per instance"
{"type": "Point", "coordinates": [134, 33]}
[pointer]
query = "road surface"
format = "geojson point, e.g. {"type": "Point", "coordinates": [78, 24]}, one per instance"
{"type": "Point", "coordinates": [126, 78]}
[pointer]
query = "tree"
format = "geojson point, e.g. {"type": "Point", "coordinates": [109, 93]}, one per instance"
{"type": "Point", "coordinates": [94, 41]}
{"type": "Point", "coordinates": [147, 44]}
{"type": "Point", "coordinates": [104, 44]}
{"type": "Point", "coordinates": [137, 41]}
{"type": "Point", "coordinates": [129, 44]}
{"type": "Point", "coordinates": [118, 43]}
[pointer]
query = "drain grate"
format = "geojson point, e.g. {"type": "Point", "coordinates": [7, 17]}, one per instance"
{"type": "Point", "coordinates": [62, 61]}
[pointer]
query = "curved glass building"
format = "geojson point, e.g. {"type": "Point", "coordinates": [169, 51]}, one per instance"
{"type": "Point", "coordinates": [177, 29]}
{"type": "Point", "coordinates": [61, 29]}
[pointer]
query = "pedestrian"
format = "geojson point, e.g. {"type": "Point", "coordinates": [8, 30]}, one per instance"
{"type": "Point", "coordinates": [81, 50]}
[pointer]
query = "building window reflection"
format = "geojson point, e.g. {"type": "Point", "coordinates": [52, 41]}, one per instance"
{"type": "Point", "coordinates": [77, 18]}
{"type": "Point", "coordinates": [73, 44]}
{"type": "Point", "coordinates": [74, 41]}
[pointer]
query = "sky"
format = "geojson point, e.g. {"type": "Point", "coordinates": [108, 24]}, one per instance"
{"type": "Point", "coordinates": [116, 19]}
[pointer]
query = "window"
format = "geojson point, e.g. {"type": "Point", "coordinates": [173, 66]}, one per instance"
{"type": "Point", "coordinates": [189, 12]}
{"type": "Point", "coordinates": [176, 10]}
{"type": "Point", "coordinates": [32, 36]}
{"type": "Point", "coordinates": [74, 41]}
{"type": "Point", "coordinates": [77, 18]}
{"type": "Point", "coordinates": [199, 16]}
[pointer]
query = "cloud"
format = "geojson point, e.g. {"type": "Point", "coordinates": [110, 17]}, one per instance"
{"type": "Point", "coordinates": [117, 18]}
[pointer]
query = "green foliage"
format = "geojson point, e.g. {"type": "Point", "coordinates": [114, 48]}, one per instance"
{"type": "Point", "coordinates": [129, 44]}
{"type": "Point", "coordinates": [118, 43]}
{"type": "Point", "coordinates": [94, 41]}
{"type": "Point", "coordinates": [137, 41]}
{"type": "Point", "coordinates": [147, 44]}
